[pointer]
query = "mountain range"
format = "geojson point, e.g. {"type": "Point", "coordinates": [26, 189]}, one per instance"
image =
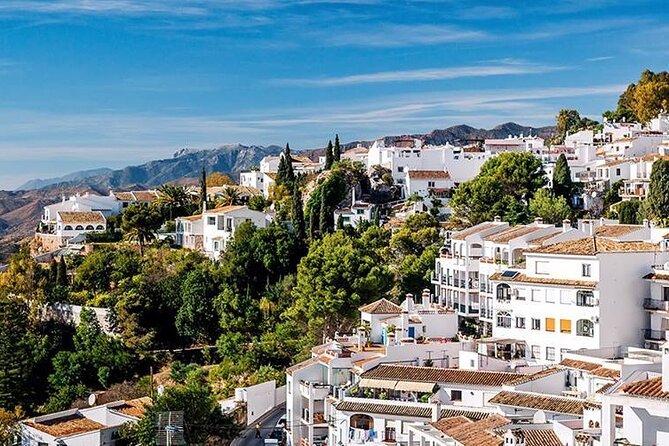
{"type": "Point", "coordinates": [20, 210]}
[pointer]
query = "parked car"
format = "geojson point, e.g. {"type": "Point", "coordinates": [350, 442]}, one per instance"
{"type": "Point", "coordinates": [282, 421]}
{"type": "Point", "coordinates": [276, 437]}
{"type": "Point", "coordinates": [320, 440]}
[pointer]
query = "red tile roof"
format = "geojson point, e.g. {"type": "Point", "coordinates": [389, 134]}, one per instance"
{"type": "Point", "coordinates": [429, 175]}
{"type": "Point", "coordinates": [435, 374]}
{"type": "Point", "coordinates": [648, 388]}
{"type": "Point", "coordinates": [550, 403]}
{"type": "Point", "coordinates": [381, 306]}
{"type": "Point", "coordinates": [590, 246]}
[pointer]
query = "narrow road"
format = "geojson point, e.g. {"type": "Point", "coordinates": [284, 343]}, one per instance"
{"type": "Point", "coordinates": [267, 423]}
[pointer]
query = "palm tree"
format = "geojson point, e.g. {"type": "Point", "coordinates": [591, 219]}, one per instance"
{"type": "Point", "coordinates": [229, 197]}
{"type": "Point", "coordinates": [140, 223]}
{"type": "Point", "coordinates": [174, 198]}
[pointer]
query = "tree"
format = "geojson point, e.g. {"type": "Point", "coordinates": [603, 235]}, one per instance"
{"type": "Point", "coordinates": [61, 274]}
{"type": "Point", "coordinates": [657, 201]}
{"type": "Point", "coordinates": [377, 216]}
{"type": "Point", "coordinates": [550, 207]}
{"type": "Point", "coordinates": [502, 187]}
{"type": "Point", "coordinates": [258, 203]}
{"type": "Point", "coordinates": [338, 274]}
{"type": "Point", "coordinates": [328, 156]}
{"type": "Point", "coordinates": [336, 151]}
{"type": "Point", "coordinates": [570, 121]}
{"type": "Point", "coordinates": [562, 183]}
{"type": "Point", "coordinates": [177, 200]}
{"type": "Point", "coordinates": [140, 223]}
{"type": "Point", "coordinates": [218, 179]}
{"type": "Point", "coordinates": [196, 319]}
{"type": "Point", "coordinates": [298, 215]}
{"type": "Point", "coordinates": [229, 197]}
{"type": "Point", "coordinates": [629, 212]}
{"type": "Point", "coordinates": [203, 187]}
{"type": "Point", "coordinates": [285, 174]}
{"type": "Point", "coordinates": [644, 100]}
{"type": "Point", "coordinates": [325, 218]}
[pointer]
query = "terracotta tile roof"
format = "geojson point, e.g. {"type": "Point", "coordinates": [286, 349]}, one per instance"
{"type": "Point", "coordinates": [441, 375]}
{"type": "Point", "coordinates": [363, 361]}
{"type": "Point", "coordinates": [123, 196]}
{"type": "Point", "coordinates": [541, 437]}
{"type": "Point", "coordinates": [604, 372]}
{"type": "Point", "coordinates": [197, 217]}
{"type": "Point", "coordinates": [145, 195]}
{"type": "Point", "coordinates": [301, 365]}
{"type": "Point", "coordinates": [543, 238]}
{"type": "Point", "coordinates": [523, 278]}
{"type": "Point", "coordinates": [604, 388]}
{"type": "Point", "coordinates": [406, 411]}
{"type": "Point", "coordinates": [381, 306]}
{"type": "Point", "coordinates": [78, 217]}
{"type": "Point", "coordinates": [66, 425]}
{"type": "Point", "coordinates": [511, 233]}
{"type": "Point", "coordinates": [461, 235]}
{"type": "Point", "coordinates": [550, 403]}
{"type": "Point", "coordinates": [473, 433]}
{"type": "Point", "coordinates": [271, 175]}
{"type": "Point", "coordinates": [524, 378]}
{"type": "Point", "coordinates": [654, 157]}
{"type": "Point", "coordinates": [655, 276]}
{"type": "Point", "coordinates": [429, 174]}
{"type": "Point", "coordinates": [648, 388]}
{"type": "Point", "coordinates": [590, 246]}
{"type": "Point", "coordinates": [617, 162]}
{"type": "Point", "coordinates": [224, 209]}
{"type": "Point", "coordinates": [580, 365]}
{"type": "Point", "coordinates": [134, 408]}
{"type": "Point", "coordinates": [616, 230]}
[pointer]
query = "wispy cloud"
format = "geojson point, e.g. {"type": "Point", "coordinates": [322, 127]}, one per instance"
{"type": "Point", "coordinates": [505, 67]}
{"type": "Point", "coordinates": [599, 59]}
{"type": "Point", "coordinates": [399, 35]}
{"type": "Point", "coordinates": [96, 7]}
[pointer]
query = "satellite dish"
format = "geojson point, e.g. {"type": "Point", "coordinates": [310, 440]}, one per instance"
{"type": "Point", "coordinates": [92, 399]}
{"type": "Point", "coordinates": [161, 390]}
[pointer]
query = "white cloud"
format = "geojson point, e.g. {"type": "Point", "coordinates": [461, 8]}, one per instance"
{"type": "Point", "coordinates": [399, 35]}
{"type": "Point", "coordinates": [599, 59]}
{"type": "Point", "coordinates": [429, 74]}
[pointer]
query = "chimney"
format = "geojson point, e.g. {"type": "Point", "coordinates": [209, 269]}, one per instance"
{"type": "Point", "coordinates": [566, 225]}
{"type": "Point", "coordinates": [436, 411]}
{"type": "Point", "coordinates": [409, 301]}
{"type": "Point", "coordinates": [538, 221]}
{"type": "Point", "coordinates": [425, 298]}
{"type": "Point", "coordinates": [665, 367]}
{"type": "Point", "coordinates": [497, 219]}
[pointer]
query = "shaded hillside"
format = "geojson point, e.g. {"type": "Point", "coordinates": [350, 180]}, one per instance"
{"type": "Point", "coordinates": [75, 176]}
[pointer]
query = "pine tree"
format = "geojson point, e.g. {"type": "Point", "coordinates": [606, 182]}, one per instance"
{"type": "Point", "coordinates": [562, 184]}
{"type": "Point", "coordinates": [203, 187]}
{"type": "Point", "coordinates": [336, 152]}
{"type": "Point", "coordinates": [328, 156]}
{"type": "Point", "coordinates": [298, 215]}
{"type": "Point", "coordinates": [324, 218]}
{"type": "Point", "coordinates": [61, 274]}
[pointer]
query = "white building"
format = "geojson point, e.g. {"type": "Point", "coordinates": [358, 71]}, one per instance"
{"type": "Point", "coordinates": [92, 426]}
{"type": "Point", "coordinates": [263, 181]}
{"type": "Point", "coordinates": [532, 144]}
{"type": "Point", "coordinates": [135, 197]}
{"type": "Point", "coordinates": [358, 212]}
{"type": "Point", "coordinates": [429, 183]}
{"type": "Point", "coordinates": [108, 205]}
{"type": "Point", "coordinates": [583, 293]}
{"type": "Point", "coordinates": [190, 232]}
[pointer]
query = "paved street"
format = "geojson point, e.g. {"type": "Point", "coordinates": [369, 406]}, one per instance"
{"type": "Point", "coordinates": [267, 423]}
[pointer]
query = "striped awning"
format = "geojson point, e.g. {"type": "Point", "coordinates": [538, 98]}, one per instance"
{"type": "Point", "coordinates": [411, 386]}
{"type": "Point", "coordinates": [370, 383]}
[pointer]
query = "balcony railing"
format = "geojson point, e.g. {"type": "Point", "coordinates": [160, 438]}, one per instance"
{"type": "Point", "coordinates": [653, 304]}
{"type": "Point", "coordinates": [655, 335]}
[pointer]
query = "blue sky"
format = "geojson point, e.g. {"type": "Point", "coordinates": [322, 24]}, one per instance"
{"type": "Point", "coordinates": [96, 83]}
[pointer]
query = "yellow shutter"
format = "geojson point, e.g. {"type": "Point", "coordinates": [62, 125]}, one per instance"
{"type": "Point", "coordinates": [565, 325]}
{"type": "Point", "coordinates": [550, 324]}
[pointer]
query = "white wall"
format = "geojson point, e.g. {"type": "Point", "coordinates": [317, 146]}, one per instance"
{"type": "Point", "coordinates": [259, 399]}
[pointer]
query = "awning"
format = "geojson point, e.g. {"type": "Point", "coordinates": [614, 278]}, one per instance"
{"type": "Point", "coordinates": [370, 383]}
{"type": "Point", "coordinates": [410, 386]}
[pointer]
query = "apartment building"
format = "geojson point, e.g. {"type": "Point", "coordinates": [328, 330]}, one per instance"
{"type": "Point", "coordinates": [262, 181]}
{"type": "Point", "coordinates": [532, 144]}
{"type": "Point", "coordinates": [582, 293]}
{"type": "Point", "coordinates": [657, 306]}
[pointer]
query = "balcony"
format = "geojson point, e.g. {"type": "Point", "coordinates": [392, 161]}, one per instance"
{"type": "Point", "coordinates": [314, 391]}
{"type": "Point", "coordinates": [656, 305]}
{"type": "Point", "coordinates": [655, 335]}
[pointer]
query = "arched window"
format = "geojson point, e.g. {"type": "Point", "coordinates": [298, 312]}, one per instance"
{"type": "Point", "coordinates": [585, 327]}
{"type": "Point", "coordinates": [99, 228]}
{"type": "Point", "coordinates": [504, 319]}
{"type": "Point", "coordinates": [585, 298]}
{"type": "Point", "coordinates": [89, 227]}
{"type": "Point", "coordinates": [79, 228]}
{"type": "Point", "coordinates": [67, 228]}
{"type": "Point", "coordinates": [503, 292]}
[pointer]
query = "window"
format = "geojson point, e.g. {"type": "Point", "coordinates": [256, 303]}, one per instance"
{"type": "Point", "coordinates": [79, 228]}
{"type": "Point", "coordinates": [400, 168]}
{"type": "Point", "coordinates": [563, 351]}
{"type": "Point", "coordinates": [665, 293]}
{"type": "Point", "coordinates": [536, 351]}
{"type": "Point", "coordinates": [550, 353]}
{"type": "Point", "coordinates": [430, 184]}
{"type": "Point", "coordinates": [216, 245]}
{"type": "Point", "coordinates": [550, 297]}
{"type": "Point", "coordinates": [211, 221]}
{"type": "Point", "coordinates": [565, 325]}
{"type": "Point", "coordinates": [536, 324]}
{"type": "Point", "coordinates": [228, 224]}
{"type": "Point", "coordinates": [550, 324]}
{"type": "Point", "coordinates": [586, 270]}
{"type": "Point", "coordinates": [456, 395]}
{"type": "Point", "coordinates": [536, 295]}
{"type": "Point", "coordinates": [585, 327]}
{"type": "Point", "coordinates": [67, 228]}
{"type": "Point", "coordinates": [585, 298]}
{"type": "Point", "coordinates": [618, 171]}
{"type": "Point", "coordinates": [520, 322]}
{"type": "Point", "coordinates": [541, 267]}
{"type": "Point", "coordinates": [565, 298]}
{"type": "Point", "coordinates": [503, 292]}
{"type": "Point", "coordinates": [503, 319]}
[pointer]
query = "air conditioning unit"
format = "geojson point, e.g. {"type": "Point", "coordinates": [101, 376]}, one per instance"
{"type": "Point", "coordinates": [595, 319]}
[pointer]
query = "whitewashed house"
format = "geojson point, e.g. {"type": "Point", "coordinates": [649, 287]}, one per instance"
{"type": "Point", "coordinates": [219, 226]}
{"type": "Point", "coordinates": [429, 183]}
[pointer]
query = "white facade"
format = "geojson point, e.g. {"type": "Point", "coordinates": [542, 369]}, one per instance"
{"type": "Point", "coordinates": [219, 226]}
{"type": "Point", "coordinates": [428, 183]}
{"type": "Point", "coordinates": [108, 205]}
{"type": "Point", "coordinates": [260, 180]}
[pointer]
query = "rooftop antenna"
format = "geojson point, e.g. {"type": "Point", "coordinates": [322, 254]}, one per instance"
{"type": "Point", "coordinates": [170, 428]}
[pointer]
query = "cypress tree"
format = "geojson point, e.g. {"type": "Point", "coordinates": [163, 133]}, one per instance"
{"type": "Point", "coordinates": [328, 156]}
{"type": "Point", "coordinates": [53, 272]}
{"type": "Point", "coordinates": [324, 220]}
{"type": "Point", "coordinates": [657, 201]}
{"type": "Point", "coordinates": [298, 215]}
{"type": "Point", "coordinates": [61, 274]}
{"type": "Point", "coordinates": [562, 184]}
{"type": "Point", "coordinates": [377, 217]}
{"type": "Point", "coordinates": [281, 171]}
{"type": "Point", "coordinates": [340, 222]}
{"type": "Point", "coordinates": [203, 187]}
{"type": "Point", "coordinates": [336, 152]}
{"type": "Point", "coordinates": [290, 174]}
{"type": "Point", "coordinates": [313, 222]}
